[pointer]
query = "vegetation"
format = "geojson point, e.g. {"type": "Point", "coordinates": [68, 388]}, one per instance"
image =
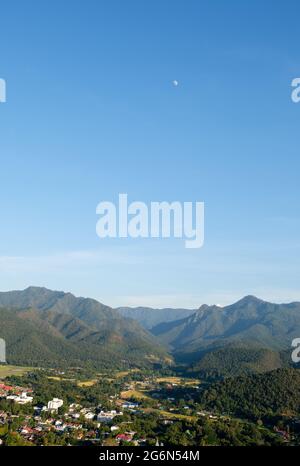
{"type": "Point", "coordinates": [227, 390]}
{"type": "Point", "coordinates": [59, 330]}
{"type": "Point", "coordinates": [250, 322]}
{"type": "Point", "coordinates": [231, 361]}
{"type": "Point", "coordinates": [171, 411]}
{"type": "Point", "coordinates": [7, 370]}
{"type": "Point", "coordinates": [256, 396]}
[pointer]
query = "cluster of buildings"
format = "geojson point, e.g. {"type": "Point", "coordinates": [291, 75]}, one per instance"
{"type": "Point", "coordinates": [76, 422]}
{"type": "Point", "coordinates": [17, 394]}
{"type": "Point", "coordinates": [42, 427]}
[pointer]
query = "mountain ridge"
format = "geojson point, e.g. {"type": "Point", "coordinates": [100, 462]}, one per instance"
{"type": "Point", "coordinates": [250, 319]}
{"type": "Point", "coordinates": [81, 326]}
{"type": "Point", "coordinates": [210, 337]}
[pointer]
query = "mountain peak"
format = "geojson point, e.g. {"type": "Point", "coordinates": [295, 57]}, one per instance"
{"type": "Point", "coordinates": [249, 299]}
{"type": "Point", "coordinates": [40, 289]}
{"type": "Point", "coordinates": [203, 307]}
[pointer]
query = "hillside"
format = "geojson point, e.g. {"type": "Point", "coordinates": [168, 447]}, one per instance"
{"type": "Point", "coordinates": [232, 361]}
{"type": "Point", "coordinates": [44, 326]}
{"type": "Point", "coordinates": [249, 321]}
{"type": "Point", "coordinates": [256, 396]}
{"type": "Point", "coordinates": [53, 327]}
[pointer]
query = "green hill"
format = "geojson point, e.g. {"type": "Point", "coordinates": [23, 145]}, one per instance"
{"type": "Point", "coordinates": [232, 361]}
{"type": "Point", "coordinates": [255, 396]}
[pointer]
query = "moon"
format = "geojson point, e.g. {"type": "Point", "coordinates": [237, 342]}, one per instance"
{"type": "Point", "coordinates": [175, 83]}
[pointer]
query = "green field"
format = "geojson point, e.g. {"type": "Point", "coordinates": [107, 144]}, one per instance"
{"type": "Point", "coordinates": [7, 370]}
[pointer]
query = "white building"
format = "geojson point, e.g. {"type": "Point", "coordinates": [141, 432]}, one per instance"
{"type": "Point", "coordinates": [54, 404]}
{"type": "Point", "coordinates": [107, 416]}
{"type": "Point", "coordinates": [20, 399]}
{"type": "Point", "coordinates": [129, 405]}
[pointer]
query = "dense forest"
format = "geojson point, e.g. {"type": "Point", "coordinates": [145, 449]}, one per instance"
{"type": "Point", "coordinates": [232, 361]}
{"type": "Point", "coordinates": [256, 396]}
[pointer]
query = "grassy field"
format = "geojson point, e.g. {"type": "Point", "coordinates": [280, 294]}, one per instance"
{"type": "Point", "coordinates": [134, 394]}
{"type": "Point", "coordinates": [59, 379]}
{"type": "Point", "coordinates": [169, 415]}
{"type": "Point", "coordinates": [121, 374]}
{"type": "Point", "coordinates": [80, 383]}
{"type": "Point", "coordinates": [7, 370]}
{"type": "Point", "coordinates": [178, 381]}
{"type": "Point", "coordinates": [87, 383]}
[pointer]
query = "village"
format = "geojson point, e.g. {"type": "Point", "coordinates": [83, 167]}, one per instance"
{"type": "Point", "coordinates": [94, 423]}
{"type": "Point", "coordinates": [131, 408]}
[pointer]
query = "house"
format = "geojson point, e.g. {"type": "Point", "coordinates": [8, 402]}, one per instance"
{"type": "Point", "coordinates": [27, 430]}
{"type": "Point", "coordinates": [54, 404]}
{"type": "Point", "coordinates": [40, 409]}
{"type": "Point", "coordinates": [74, 407]}
{"type": "Point", "coordinates": [107, 416]}
{"type": "Point", "coordinates": [71, 425]}
{"type": "Point", "coordinates": [6, 388]}
{"type": "Point", "coordinates": [124, 437]}
{"type": "Point", "coordinates": [20, 399]}
{"type": "Point", "coordinates": [130, 405]}
{"type": "Point", "coordinates": [167, 422]}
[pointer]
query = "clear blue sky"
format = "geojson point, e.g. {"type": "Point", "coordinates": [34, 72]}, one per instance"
{"type": "Point", "coordinates": [91, 112]}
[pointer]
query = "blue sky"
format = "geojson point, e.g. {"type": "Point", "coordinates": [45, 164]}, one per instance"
{"type": "Point", "coordinates": [91, 112]}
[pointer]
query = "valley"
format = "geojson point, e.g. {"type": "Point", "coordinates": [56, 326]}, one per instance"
{"type": "Point", "coordinates": [146, 407]}
{"type": "Point", "coordinates": [213, 376]}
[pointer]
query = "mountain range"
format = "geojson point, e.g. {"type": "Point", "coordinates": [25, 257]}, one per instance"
{"type": "Point", "coordinates": [249, 336]}
{"type": "Point", "coordinates": [249, 321]}
{"type": "Point", "coordinates": [41, 327]}
{"type": "Point", "coordinates": [54, 328]}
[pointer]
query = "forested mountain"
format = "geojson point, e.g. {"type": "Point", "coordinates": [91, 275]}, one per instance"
{"type": "Point", "coordinates": [86, 309]}
{"type": "Point", "coordinates": [42, 326]}
{"type": "Point", "coordinates": [149, 317]}
{"type": "Point", "coordinates": [249, 321]}
{"type": "Point", "coordinates": [249, 336]}
{"type": "Point", "coordinates": [256, 396]}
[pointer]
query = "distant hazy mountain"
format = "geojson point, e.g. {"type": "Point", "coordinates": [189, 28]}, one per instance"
{"type": "Point", "coordinates": [43, 326]}
{"type": "Point", "coordinates": [149, 317]}
{"type": "Point", "coordinates": [250, 320]}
